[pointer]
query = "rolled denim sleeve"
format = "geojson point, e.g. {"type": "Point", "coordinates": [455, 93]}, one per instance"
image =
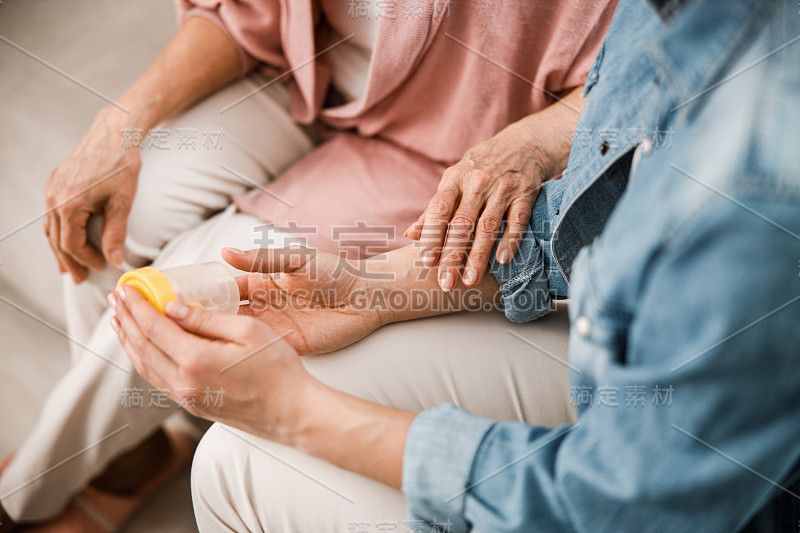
{"type": "Point", "coordinates": [532, 279]}
{"type": "Point", "coordinates": [436, 469]}
{"type": "Point", "coordinates": [709, 461]}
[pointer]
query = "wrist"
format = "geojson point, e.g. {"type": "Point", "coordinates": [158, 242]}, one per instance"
{"type": "Point", "coordinates": [386, 277]}
{"type": "Point", "coordinates": [376, 291]}
{"type": "Point", "coordinates": [132, 113]}
{"type": "Point", "coordinates": [306, 416]}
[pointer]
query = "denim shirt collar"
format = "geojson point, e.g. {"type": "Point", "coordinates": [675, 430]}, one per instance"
{"type": "Point", "coordinates": [663, 68]}
{"type": "Point", "coordinates": [697, 40]}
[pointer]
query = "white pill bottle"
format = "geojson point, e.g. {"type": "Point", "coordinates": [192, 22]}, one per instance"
{"type": "Point", "coordinates": [208, 285]}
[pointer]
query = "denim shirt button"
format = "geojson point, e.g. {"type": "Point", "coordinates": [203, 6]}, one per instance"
{"type": "Point", "coordinates": [583, 326]}
{"type": "Point", "coordinates": [647, 146]}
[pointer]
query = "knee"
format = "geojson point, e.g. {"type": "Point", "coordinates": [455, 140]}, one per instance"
{"type": "Point", "coordinates": [160, 205]}
{"type": "Point", "coordinates": [209, 471]}
{"type": "Point", "coordinates": [220, 469]}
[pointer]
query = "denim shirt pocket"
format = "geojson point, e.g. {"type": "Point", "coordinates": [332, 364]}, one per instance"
{"type": "Point", "coordinates": [594, 72]}
{"type": "Point", "coordinates": [599, 330]}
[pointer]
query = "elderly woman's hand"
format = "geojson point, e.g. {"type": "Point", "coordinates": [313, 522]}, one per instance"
{"type": "Point", "coordinates": [99, 176]}
{"type": "Point", "coordinates": [499, 178]}
{"type": "Point", "coordinates": [495, 180]}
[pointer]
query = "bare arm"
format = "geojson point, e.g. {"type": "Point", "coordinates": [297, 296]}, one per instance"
{"type": "Point", "coordinates": [198, 61]}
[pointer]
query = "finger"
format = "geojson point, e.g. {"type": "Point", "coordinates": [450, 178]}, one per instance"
{"type": "Point", "coordinates": [160, 330]}
{"type": "Point", "coordinates": [48, 223]}
{"type": "Point", "coordinates": [203, 323]}
{"type": "Point", "coordinates": [77, 271]}
{"type": "Point", "coordinates": [115, 228]}
{"type": "Point", "coordinates": [486, 232]}
{"type": "Point", "coordinates": [152, 363]}
{"type": "Point", "coordinates": [147, 373]}
{"type": "Point", "coordinates": [459, 236]}
{"type": "Point", "coordinates": [415, 230]}
{"type": "Point", "coordinates": [437, 216]}
{"type": "Point", "coordinates": [266, 260]}
{"type": "Point", "coordinates": [517, 218]}
{"type": "Point", "coordinates": [246, 289]}
{"type": "Point", "coordinates": [74, 241]}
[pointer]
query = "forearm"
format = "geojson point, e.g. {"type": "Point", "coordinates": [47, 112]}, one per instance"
{"type": "Point", "coordinates": [404, 273]}
{"type": "Point", "coordinates": [360, 436]}
{"type": "Point", "coordinates": [198, 61]}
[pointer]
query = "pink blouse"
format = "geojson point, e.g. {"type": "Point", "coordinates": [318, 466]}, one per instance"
{"type": "Point", "coordinates": [444, 75]}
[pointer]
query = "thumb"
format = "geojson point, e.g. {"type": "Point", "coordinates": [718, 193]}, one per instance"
{"type": "Point", "coordinates": [267, 260]}
{"type": "Point", "coordinates": [115, 228]}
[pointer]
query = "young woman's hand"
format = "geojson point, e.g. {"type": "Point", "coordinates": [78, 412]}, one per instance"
{"type": "Point", "coordinates": [320, 301]}
{"type": "Point", "coordinates": [258, 385]}
{"type": "Point", "coordinates": [192, 350]}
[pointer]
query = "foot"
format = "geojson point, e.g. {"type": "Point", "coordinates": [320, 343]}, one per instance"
{"type": "Point", "coordinates": [129, 472]}
{"type": "Point", "coordinates": [98, 510]}
{"type": "Point", "coordinates": [6, 524]}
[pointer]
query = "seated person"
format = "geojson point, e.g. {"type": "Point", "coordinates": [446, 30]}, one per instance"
{"type": "Point", "coordinates": [682, 267]}
{"type": "Point", "coordinates": [397, 97]}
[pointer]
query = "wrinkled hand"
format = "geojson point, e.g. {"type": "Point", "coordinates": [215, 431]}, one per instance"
{"type": "Point", "coordinates": [320, 301]}
{"type": "Point", "coordinates": [193, 350]}
{"type": "Point", "coordinates": [99, 176]}
{"type": "Point", "coordinates": [498, 178]}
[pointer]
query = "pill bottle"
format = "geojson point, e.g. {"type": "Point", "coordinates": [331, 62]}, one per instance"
{"type": "Point", "coordinates": [208, 285]}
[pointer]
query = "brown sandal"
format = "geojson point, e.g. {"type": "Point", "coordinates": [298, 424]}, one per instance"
{"type": "Point", "coordinates": [97, 511]}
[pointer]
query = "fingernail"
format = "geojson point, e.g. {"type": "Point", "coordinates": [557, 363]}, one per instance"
{"type": "Point", "coordinates": [446, 281]}
{"type": "Point", "coordinates": [114, 324]}
{"type": "Point", "coordinates": [112, 299]}
{"type": "Point", "coordinates": [177, 310]}
{"type": "Point", "coordinates": [470, 275]}
{"type": "Point", "coordinates": [234, 251]}
{"type": "Point", "coordinates": [123, 292]}
{"type": "Point", "coordinates": [428, 258]}
{"type": "Point", "coordinates": [503, 257]}
{"type": "Point", "coordinates": [116, 258]}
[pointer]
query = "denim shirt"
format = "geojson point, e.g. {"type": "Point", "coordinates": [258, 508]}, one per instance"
{"type": "Point", "coordinates": [682, 263]}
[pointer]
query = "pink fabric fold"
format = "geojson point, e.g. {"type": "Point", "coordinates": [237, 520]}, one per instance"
{"type": "Point", "coordinates": [352, 195]}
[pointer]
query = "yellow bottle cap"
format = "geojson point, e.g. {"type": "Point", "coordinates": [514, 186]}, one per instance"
{"type": "Point", "coordinates": [152, 284]}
